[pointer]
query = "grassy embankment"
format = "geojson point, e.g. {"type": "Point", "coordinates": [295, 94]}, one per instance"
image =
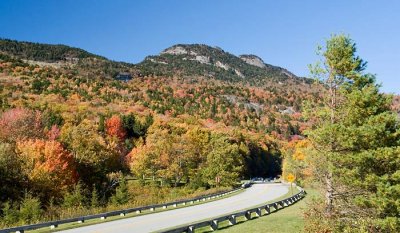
{"type": "Point", "coordinates": [287, 220]}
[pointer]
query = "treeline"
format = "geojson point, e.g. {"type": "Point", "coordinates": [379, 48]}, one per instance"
{"type": "Point", "coordinates": [42, 52]}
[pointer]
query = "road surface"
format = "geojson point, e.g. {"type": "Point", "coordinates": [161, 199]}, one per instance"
{"type": "Point", "coordinates": [255, 195]}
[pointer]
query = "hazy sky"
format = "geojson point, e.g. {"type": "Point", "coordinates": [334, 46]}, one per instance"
{"type": "Point", "coordinates": [283, 33]}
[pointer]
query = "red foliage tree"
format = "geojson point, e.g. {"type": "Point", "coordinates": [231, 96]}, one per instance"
{"type": "Point", "coordinates": [19, 123]}
{"type": "Point", "coordinates": [53, 133]}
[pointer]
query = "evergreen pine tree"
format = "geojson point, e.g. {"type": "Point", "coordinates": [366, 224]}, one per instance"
{"type": "Point", "coordinates": [121, 195]}
{"type": "Point", "coordinates": [356, 143]}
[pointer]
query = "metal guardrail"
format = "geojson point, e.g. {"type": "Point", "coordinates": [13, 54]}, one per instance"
{"type": "Point", "coordinates": [138, 210]}
{"type": "Point", "coordinates": [213, 223]}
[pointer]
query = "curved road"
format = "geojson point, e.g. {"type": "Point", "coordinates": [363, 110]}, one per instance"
{"type": "Point", "coordinates": [255, 195]}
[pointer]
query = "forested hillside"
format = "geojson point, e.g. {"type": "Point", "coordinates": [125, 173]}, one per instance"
{"type": "Point", "coordinates": [42, 52]}
{"type": "Point", "coordinates": [193, 117]}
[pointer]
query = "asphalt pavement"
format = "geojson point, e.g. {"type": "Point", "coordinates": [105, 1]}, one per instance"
{"type": "Point", "coordinates": [256, 195]}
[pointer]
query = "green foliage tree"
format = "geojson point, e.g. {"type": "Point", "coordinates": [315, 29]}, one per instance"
{"type": "Point", "coordinates": [30, 209]}
{"type": "Point", "coordinates": [223, 164]}
{"type": "Point", "coordinates": [75, 198]}
{"type": "Point", "coordinates": [340, 65]}
{"type": "Point", "coordinates": [101, 126]}
{"type": "Point", "coordinates": [94, 200]}
{"type": "Point", "coordinates": [121, 195]}
{"type": "Point", "coordinates": [11, 175]}
{"type": "Point", "coordinates": [357, 138]}
{"type": "Point", "coordinates": [51, 117]}
{"type": "Point", "coordinates": [38, 86]}
{"type": "Point", "coordinates": [134, 127]}
{"type": "Point", "coordinates": [9, 214]}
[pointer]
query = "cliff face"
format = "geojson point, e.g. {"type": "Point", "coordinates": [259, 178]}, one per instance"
{"type": "Point", "coordinates": [253, 60]}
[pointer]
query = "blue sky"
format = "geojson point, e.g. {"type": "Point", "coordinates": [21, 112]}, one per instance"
{"type": "Point", "coordinates": [283, 33]}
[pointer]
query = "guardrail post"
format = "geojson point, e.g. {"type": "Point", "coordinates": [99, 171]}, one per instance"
{"type": "Point", "coordinates": [138, 211]}
{"type": "Point", "coordinates": [164, 207]}
{"type": "Point", "coordinates": [183, 203]}
{"type": "Point", "coordinates": [53, 226]}
{"type": "Point", "coordinates": [103, 217]}
{"type": "Point", "coordinates": [247, 215]}
{"type": "Point", "coordinates": [174, 205]}
{"type": "Point", "coordinates": [190, 229]}
{"type": "Point", "coordinates": [152, 209]}
{"type": "Point", "coordinates": [122, 214]}
{"type": "Point", "coordinates": [20, 231]}
{"type": "Point", "coordinates": [282, 205]}
{"type": "Point", "coordinates": [214, 225]}
{"type": "Point", "coordinates": [81, 220]}
{"type": "Point", "coordinates": [267, 209]}
{"type": "Point", "coordinates": [232, 220]}
{"type": "Point", "coordinates": [258, 212]}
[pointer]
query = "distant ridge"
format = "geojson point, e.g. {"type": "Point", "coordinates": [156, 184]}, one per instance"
{"type": "Point", "coordinates": [177, 60]}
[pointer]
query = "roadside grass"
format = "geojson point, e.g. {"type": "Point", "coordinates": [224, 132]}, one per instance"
{"type": "Point", "coordinates": [287, 220]}
{"type": "Point", "coordinates": [130, 215]}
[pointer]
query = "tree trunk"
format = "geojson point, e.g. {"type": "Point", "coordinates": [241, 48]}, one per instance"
{"type": "Point", "coordinates": [329, 176]}
{"type": "Point", "coordinates": [329, 193]}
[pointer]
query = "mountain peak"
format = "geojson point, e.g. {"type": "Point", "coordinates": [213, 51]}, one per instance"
{"type": "Point", "coordinates": [175, 50]}
{"type": "Point", "coordinates": [208, 61]}
{"type": "Point", "coordinates": [191, 49]}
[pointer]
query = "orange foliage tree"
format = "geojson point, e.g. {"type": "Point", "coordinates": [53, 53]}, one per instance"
{"type": "Point", "coordinates": [48, 166]}
{"type": "Point", "coordinates": [114, 127]}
